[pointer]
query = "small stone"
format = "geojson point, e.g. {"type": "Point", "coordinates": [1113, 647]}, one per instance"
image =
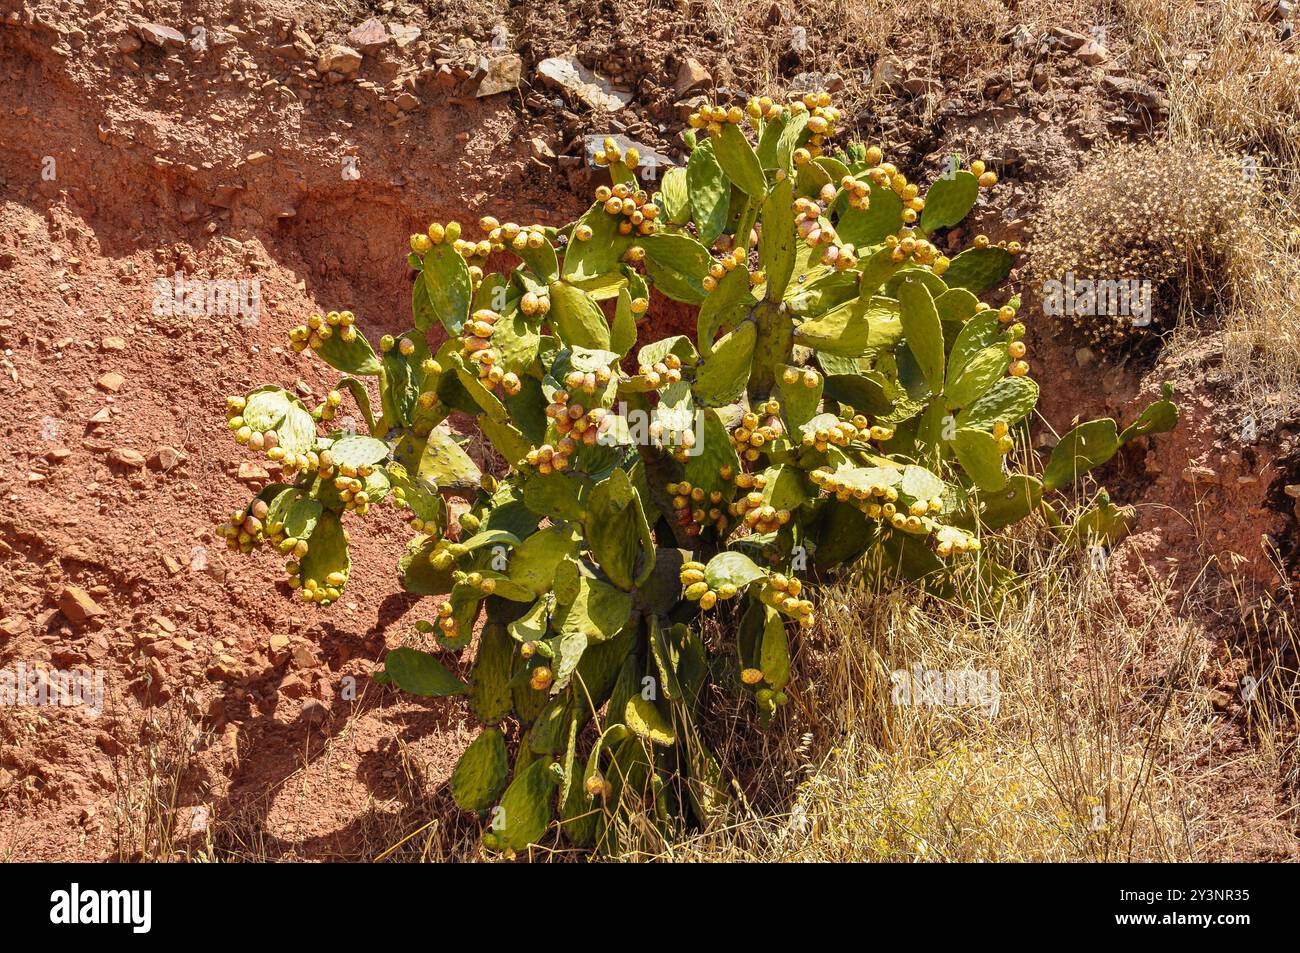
{"type": "Point", "coordinates": [1197, 475]}
{"type": "Point", "coordinates": [77, 606]}
{"type": "Point", "coordinates": [1067, 38]}
{"type": "Point", "coordinates": [407, 102]}
{"type": "Point", "coordinates": [540, 150]}
{"type": "Point", "coordinates": [128, 43]}
{"type": "Point", "coordinates": [368, 36]}
{"type": "Point", "coordinates": [339, 59]}
{"type": "Point", "coordinates": [58, 454]}
{"type": "Point", "coordinates": [692, 77]}
{"type": "Point", "coordinates": [113, 344]}
{"type": "Point", "coordinates": [569, 74]}
{"type": "Point", "coordinates": [403, 34]}
{"type": "Point", "coordinates": [303, 655]}
{"type": "Point", "coordinates": [1092, 53]}
{"type": "Point", "coordinates": [251, 472]}
{"type": "Point", "coordinates": [502, 76]}
{"type": "Point", "coordinates": [165, 458]}
{"type": "Point", "coordinates": [111, 382]}
{"type": "Point", "coordinates": [279, 644]}
{"type": "Point", "coordinates": [1083, 356]}
{"type": "Point", "coordinates": [101, 416]}
{"type": "Point", "coordinates": [126, 457]}
{"type": "Point", "coordinates": [160, 35]}
{"type": "Point", "coordinates": [257, 158]}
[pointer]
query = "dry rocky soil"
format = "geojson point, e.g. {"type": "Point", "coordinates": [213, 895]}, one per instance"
{"type": "Point", "coordinates": [297, 145]}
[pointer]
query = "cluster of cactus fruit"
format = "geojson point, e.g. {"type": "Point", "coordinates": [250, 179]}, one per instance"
{"type": "Point", "coordinates": [848, 400]}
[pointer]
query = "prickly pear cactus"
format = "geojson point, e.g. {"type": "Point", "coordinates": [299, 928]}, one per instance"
{"type": "Point", "coordinates": [849, 400]}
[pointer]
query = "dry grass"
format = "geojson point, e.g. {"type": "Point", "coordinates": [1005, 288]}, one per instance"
{"type": "Point", "coordinates": [1085, 758]}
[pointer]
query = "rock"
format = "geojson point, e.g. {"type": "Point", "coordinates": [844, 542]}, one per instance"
{"type": "Point", "coordinates": [113, 344]}
{"type": "Point", "coordinates": [304, 656]}
{"type": "Point", "coordinates": [1197, 475]}
{"type": "Point", "coordinates": [1067, 38]}
{"type": "Point", "coordinates": [111, 382]}
{"type": "Point", "coordinates": [165, 458]}
{"type": "Point", "coordinates": [226, 668]}
{"type": "Point", "coordinates": [1021, 37]}
{"type": "Point", "coordinates": [77, 606]}
{"type": "Point", "coordinates": [256, 158]}
{"type": "Point", "coordinates": [126, 457]}
{"type": "Point", "coordinates": [692, 77]}
{"type": "Point", "coordinates": [128, 43]}
{"type": "Point", "coordinates": [160, 35]}
{"type": "Point", "coordinates": [407, 102]}
{"type": "Point", "coordinates": [279, 644]}
{"type": "Point", "coordinates": [101, 416]}
{"type": "Point", "coordinates": [1092, 53]}
{"type": "Point", "coordinates": [250, 472]}
{"type": "Point", "coordinates": [1136, 92]}
{"type": "Point", "coordinates": [339, 59]}
{"type": "Point", "coordinates": [502, 75]}
{"type": "Point", "coordinates": [540, 150]}
{"type": "Point", "coordinates": [403, 34]}
{"type": "Point", "coordinates": [368, 36]}
{"type": "Point", "coordinates": [816, 82]}
{"type": "Point", "coordinates": [1084, 356]}
{"type": "Point", "coordinates": [14, 625]}
{"type": "Point", "coordinates": [570, 75]}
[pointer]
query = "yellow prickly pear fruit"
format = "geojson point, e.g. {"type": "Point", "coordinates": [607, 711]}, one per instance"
{"type": "Point", "coordinates": [708, 600]}
{"type": "Point", "coordinates": [751, 676]}
{"type": "Point", "coordinates": [541, 678]}
{"type": "Point", "coordinates": [420, 244]}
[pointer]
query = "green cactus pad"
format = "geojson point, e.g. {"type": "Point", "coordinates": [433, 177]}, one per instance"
{"type": "Point", "coordinates": [979, 269]}
{"type": "Point", "coordinates": [923, 331]}
{"type": "Point", "coordinates": [978, 376]}
{"type": "Point", "coordinates": [418, 575]}
{"type": "Point", "coordinates": [599, 254]}
{"type": "Point", "coordinates": [1088, 445]}
{"type": "Point", "coordinates": [648, 722]}
{"type": "Point", "coordinates": [721, 379]}
{"type": "Point", "coordinates": [489, 679]}
{"type": "Point", "coordinates": [358, 451]}
{"type": "Point", "coordinates": [598, 611]}
{"type": "Point", "coordinates": [853, 329]}
{"type": "Point", "coordinates": [979, 332]}
{"type": "Point", "coordinates": [1160, 416]}
{"type": "Point", "coordinates": [525, 811]}
{"type": "Point", "coordinates": [350, 357]}
{"type": "Point", "coordinates": [731, 568]}
{"type": "Point", "coordinates": [710, 192]}
{"type": "Point", "coordinates": [725, 307]}
{"type": "Point", "coordinates": [577, 317]}
{"type": "Point", "coordinates": [977, 452]}
{"type": "Point", "coordinates": [616, 531]}
{"type": "Point", "coordinates": [776, 245]}
{"type": "Point", "coordinates": [273, 408]}
{"type": "Point", "coordinates": [442, 291]}
{"type": "Point", "coordinates": [1020, 496]}
{"type": "Point", "coordinates": [739, 161]}
{"type": "Point", "coordinates": [623, 333]}
{"type": "Point", "coordinates": [883, 217]}
{"type": "Point", "coordinates": [948, 201]}
{"type": "Point", "coordinates": [445, 464]}
{"type": "Point", "coordinates": [675, 196]}
{"type": "Point", "coordinates": [480, 774]}
{"type": "Point", "coordinates": [421, 674]}
{"type": "Point", "coordinates": [1010, 400]}
{"type": "Point", "coordinates": [774, 654]}
{"type": "Point", "coordinates": [534, 561]}
{"type": "Point", "coordinates": [556, 495]}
